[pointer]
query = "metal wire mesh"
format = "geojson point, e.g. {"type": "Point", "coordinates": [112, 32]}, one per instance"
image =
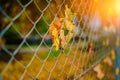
{"type": "Point", "coordinates": [27, 47]}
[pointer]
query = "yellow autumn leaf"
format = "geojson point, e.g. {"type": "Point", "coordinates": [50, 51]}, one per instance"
{"type": "Point", "coordinates": [57, 28]}
{"type": "Point", "coordinates": [72, 15]}
{"type": "Point", "coordinates": [68, 19]}
{"type": "Point", "coordinates": [69, 25]}
{"type": "Point", "coordinates": [68, 13]}
{"type": "Point", "coordinates": [56, 44]}
{"type": "Point", "coordinates": [56, 39]}
{"type": "Point", "coordinates": [69, 37]}
{"type": "Point", "coordinates": [54, 32]}
{"type": "Point", "coordinates": [62, 39]}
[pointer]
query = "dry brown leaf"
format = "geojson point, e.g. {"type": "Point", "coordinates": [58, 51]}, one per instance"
{"type": "Point", "coordinates": [97, 69]}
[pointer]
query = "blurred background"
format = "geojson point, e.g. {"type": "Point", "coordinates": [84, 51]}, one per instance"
{"type": "Point", "coordinates": [26, 50]}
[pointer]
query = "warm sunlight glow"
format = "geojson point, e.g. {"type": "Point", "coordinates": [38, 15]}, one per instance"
{"type": "Point", "coordinates": [96, 0]}
{"type": "Point", "coordinates": [117, 7]}
{"type": "Point", "coordinates": [110, 11]}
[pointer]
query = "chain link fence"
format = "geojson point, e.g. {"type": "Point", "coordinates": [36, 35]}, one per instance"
{"type": "Point", "coordinates": [26, 45]}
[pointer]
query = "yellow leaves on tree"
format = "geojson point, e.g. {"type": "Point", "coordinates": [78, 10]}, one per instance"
{"type": "Point", "coordinates": [58, 28]}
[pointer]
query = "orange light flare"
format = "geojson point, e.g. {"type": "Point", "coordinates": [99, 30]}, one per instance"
{"type": "Point", "coordinates": [117, 8]}
{"type": "Point", "coordinates": [109, 11]}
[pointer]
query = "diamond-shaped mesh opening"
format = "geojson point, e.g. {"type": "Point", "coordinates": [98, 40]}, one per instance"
{"type": "Point", "coordinates": [33, 12]}
{"type": "Point", "coordinates": [41, 4]}
{"type": "Point", "coordinates": [47, 41]}
{"type": "Point", "coordinates": [21, 26]}
{"type": "Point", "coordinates": [4, 21]}
{"type": "Point", "coordinates": [4, 57]}
{"type": "Point", "coordinates": [12, 42]}
{"type": "Point", "coordinates": [10, 9]}
{"type": "Point", "coordinates": [34, 39]}
{"type": "Point", "coordinates": [58, 11]}
{"type": "Point", "coordinates": [25, 54]}
{"type": "Point", "coordinates": [14, 71]}
{"type": "Point", "coordinates": [50, 64]}
{"type": "Point", "coordinates": [42, 52]}
{"type": "Point", "coordinates": [14, 9]}
{"type": "Point", "coordinates": [43, 75]}
{"type": "Point", "coordinates": [48, 14]}
{"type": "Point", "coordinates": [24, 2]}
{"type": "Point", "coordinates": [43, 25]}
{"type": "Point", "coordinates": [28, 76]}
{"type": "Point", "coordinates": [34, 70]}
{"type": "Point", "coordinates": [10, 39]}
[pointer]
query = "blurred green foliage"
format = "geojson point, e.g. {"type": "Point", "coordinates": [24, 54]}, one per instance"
{"type": "Point", "coordinates": [54, 53]}
{"type": "Point", "coordinates": [42, 26]}
{"type": "Point", "coordinates": [11, 33]}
